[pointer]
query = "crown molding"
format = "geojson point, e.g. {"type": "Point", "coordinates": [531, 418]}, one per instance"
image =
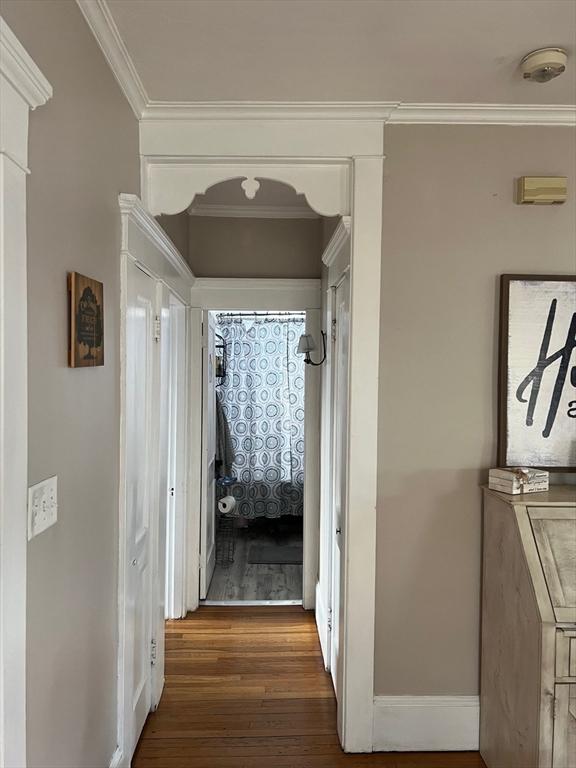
{"type": "Point", "coordinates": [384, 112]}
{"type": "Point", "coordinates": [104, 29]}
{"type": "Point", "coordinates": [103, 26]}
{"type": "Point", "coordinates": [269, 110]}
{"type": "Point", "coordinates": [252, 211]}
{"type": "Point", "coordinates": [339, 237]}
{"type": "Point", "coordinates": [484, 114]}
{"type": "Point", "coordinates": [17, 66]}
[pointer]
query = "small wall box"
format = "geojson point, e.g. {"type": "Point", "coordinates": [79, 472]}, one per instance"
{"type": "Point", "coordinates": [541, 190]}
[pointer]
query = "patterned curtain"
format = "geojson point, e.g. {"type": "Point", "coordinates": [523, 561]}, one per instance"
{"type": "Point", "coordinates": [263, 400]}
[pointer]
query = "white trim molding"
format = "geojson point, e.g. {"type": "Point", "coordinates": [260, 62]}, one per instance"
{"type": "Point", "coordinates": [21, 71]}
{"type": "Point", "coordinates": [104, 29]}
{"type": "Point", "coordinates": [22, 87]}
{"type": "Point", "coordinates": [402, 113]}
{"type": "Point", "coordinates": [238, 293]}
{"type": "Point", "coordinates": [101, 22]}
{"type": "Point", "coordinates": [340, 235]}
{"type": "Point", "coordinates": [145, 244]}
{"type": "Point", "coordinates": [484, 114]}
{"type": "Point", "coordinates": [217, 210]}
{"type": "Point", "coordinates": [426, 723]}
{"type": "Point", "coordinates": [170, 183]}
{"type": "Point", "coordinates": [163, 258]}
{"type": "Point", "coordinates": [379, 111]}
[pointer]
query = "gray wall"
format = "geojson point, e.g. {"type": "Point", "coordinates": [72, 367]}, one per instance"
{"type": "Point", "coordinates": [83, 152]}
{"type": "Point", "coordinates": [278, 248]}
{"type": "Point", "coordinates": [176, 227]}
{"type": "Point", "coordinates": [450, 229]}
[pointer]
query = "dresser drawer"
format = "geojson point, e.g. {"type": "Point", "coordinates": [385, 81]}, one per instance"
{"type": "Point", "coordinates": [566, 653]}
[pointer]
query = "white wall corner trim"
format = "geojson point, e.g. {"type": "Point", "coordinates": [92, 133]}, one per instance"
{"type": "Point", "coordinates": [20, 70]}
{"type": "Point", "coordinates": [252, 211]}
{"type": "Point", "coordinates": [104, 29]}
{"type": "Point", "coordinates": [426, 723]}
{"type": "Point", "coordinates": [339, 237]}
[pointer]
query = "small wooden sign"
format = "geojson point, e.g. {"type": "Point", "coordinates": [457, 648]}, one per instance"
{"type": "Point", "coordinates": [86, 344]}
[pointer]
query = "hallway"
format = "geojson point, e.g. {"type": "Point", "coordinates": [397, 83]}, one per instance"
{"type": "Point", "coordinates": [246, 688]}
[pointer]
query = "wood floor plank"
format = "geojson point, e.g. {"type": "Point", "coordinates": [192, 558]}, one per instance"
{"type": "Point", "coordinates": [246, 688]}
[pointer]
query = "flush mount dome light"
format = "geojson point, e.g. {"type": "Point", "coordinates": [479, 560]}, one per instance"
{"type": "Point", "coordinates": [544, 64]}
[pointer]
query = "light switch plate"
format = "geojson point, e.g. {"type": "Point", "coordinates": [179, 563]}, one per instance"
{"type": "Point", "coordinates": [42, 506]}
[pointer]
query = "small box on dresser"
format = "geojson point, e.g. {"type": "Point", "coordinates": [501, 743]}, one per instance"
{"type": "Point", "coordinates": [528, 666]}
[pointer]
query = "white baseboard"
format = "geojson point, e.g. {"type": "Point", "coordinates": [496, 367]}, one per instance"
{"type": "Point", "coordinates": [414, 723]}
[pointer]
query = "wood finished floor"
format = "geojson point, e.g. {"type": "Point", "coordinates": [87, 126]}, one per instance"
{"type": "Point", "coordinates": [246, 581]}
{"type": "Point", "coordinates": [246, 688]}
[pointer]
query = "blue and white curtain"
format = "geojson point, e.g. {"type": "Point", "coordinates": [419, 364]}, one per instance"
{"type": "Point", "coordinates": [263, 400]}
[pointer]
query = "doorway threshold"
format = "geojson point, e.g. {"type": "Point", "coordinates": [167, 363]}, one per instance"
{"type": "Point", "coordinates": [249, 603]}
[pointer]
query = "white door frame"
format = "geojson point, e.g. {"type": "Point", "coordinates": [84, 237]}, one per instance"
{"type": "Point", "coordinates": [145, 244]}
{"type": "Point", "coordinates": [338, 166]}
{"type": "Point", "coordinates": [237, 294]}
{"type": "Point", "coordinates": [22, 87]}
{"type": "Point", "coordinates": [178, 437]}
{"type": "Point", "coordinates": [207, 521]}
{"type": "Point", "coordinates": [336, 258]}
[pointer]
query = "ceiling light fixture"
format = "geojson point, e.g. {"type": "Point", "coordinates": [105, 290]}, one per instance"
{"type": "Point", "coordinates": [544, 64]}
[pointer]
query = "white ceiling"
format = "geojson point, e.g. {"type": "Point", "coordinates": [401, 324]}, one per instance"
{"type": "Point", "coordinates": [444, 51]}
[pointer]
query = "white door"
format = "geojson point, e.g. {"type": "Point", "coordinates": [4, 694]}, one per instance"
{"type": "Point", "coordinates": [162, 383]}
{"type": "Point", "coordinates": [175, 597]}
{"type": "Point", "coordinates": [340, 471]}
{"type": "Point", "coordinates": [140, 314]}
{"type": "Point", "coordinates": [208, 513]}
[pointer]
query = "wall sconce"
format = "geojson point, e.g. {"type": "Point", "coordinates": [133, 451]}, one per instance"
{"type": "Point", "coordinates": [307, 345]}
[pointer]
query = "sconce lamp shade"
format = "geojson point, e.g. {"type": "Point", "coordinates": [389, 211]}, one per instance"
{"type": "Point", "coordinates": [306, 344]}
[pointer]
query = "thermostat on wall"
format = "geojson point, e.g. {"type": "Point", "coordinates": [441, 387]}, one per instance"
{"type": "Point", "coordinates": [541, 190]}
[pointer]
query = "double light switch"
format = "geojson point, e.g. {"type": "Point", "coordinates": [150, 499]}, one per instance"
{"type": "Point", "coordinates": [42, 506]}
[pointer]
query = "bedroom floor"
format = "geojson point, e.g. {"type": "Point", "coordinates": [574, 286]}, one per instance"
{"type": "Point", "coordinates": [246, 688]}
{"type": "Point", "coordinates": [244, 579]}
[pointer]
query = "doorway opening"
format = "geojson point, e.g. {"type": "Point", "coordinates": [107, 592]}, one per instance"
{"type": "Point", "coordinates": [258, 390]}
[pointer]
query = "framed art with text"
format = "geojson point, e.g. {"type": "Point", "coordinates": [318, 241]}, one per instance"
{"type": "Point", "coordinates": [86, 343]}
{"type": "Point", "coordinates": [537, 387]}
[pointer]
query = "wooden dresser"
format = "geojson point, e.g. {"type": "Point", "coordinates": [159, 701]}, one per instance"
{"type": "Point", "coordinates": [528, 669]}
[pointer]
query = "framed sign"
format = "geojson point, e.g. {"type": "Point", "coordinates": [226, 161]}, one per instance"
{"type": "Point", "coordinates": [86, 344]}
{"type": "Point", "coordinates": [537, 387]}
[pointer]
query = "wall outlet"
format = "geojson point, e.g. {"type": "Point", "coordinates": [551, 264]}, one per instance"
{"type": "Point", "coordinates": [42, 506]}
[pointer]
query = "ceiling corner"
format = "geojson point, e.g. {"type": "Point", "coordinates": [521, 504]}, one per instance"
{"type": "Point", "coordinates": [104, 29]}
